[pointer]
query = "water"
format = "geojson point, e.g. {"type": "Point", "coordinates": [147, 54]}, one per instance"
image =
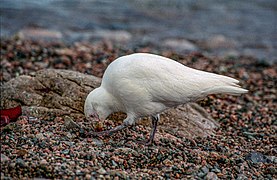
{"type": "Point", "coordinates": [250, 24]}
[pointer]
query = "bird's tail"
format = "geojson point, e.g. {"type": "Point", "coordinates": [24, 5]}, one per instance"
{"type": "Point", "coordinates": [222, 84]}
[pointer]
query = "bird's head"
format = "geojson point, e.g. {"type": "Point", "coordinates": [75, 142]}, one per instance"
{"type": "Point", "coordinates": [97, 104]}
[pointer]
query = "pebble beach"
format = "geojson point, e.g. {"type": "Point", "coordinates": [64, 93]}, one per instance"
{"type": "Point", "coordinates": [243, 147]}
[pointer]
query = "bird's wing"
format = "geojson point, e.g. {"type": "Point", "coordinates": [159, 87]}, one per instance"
{"type": "Point", "coordinates": [159, 79]}
{"type": "Point", "coordinates": [171, 83]}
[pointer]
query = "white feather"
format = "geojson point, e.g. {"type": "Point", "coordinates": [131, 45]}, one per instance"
{"type": "Point", "coordinates": [144, 84]}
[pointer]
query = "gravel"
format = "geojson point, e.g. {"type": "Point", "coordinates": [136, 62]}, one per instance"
{"type": "Point", "coordinates": [244, 147]}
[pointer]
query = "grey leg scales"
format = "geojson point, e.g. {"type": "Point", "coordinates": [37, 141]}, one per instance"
{"type": "Point", "coordinates": [155, 120]}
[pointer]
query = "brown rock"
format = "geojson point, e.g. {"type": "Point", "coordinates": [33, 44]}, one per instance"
{"type": "Point", "coordinates": [188, 120]}
{"type": "Point", "coordinates": [49, 92]}
{"type": "Point", "coordinates": [22, 152]}
{"type": "Point", "coordinates": [62, 93]}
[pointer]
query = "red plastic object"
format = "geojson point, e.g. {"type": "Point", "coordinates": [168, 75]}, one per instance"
{"type": "Point", "coordinates": [10, 115]}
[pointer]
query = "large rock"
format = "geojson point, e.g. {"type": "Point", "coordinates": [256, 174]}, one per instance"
{"type": "Point", "coordinates": [62, 93]}
{"type": "Point", "coordinates": [49, 92]}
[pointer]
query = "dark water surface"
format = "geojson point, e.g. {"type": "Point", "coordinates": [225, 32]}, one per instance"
{"type": "Point", "coordinates": [247, 27]}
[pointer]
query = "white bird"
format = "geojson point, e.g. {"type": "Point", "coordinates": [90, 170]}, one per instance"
{"type": "Point", "coordinates": [143, 84]}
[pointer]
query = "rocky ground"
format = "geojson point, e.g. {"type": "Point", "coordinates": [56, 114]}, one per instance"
{"type": "Point", "coordinates": [244, 147]}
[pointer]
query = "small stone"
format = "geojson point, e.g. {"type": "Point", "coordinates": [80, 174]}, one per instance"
{"type": "Point", "coordinates": [271, 170]}
{"type": "Point", "coordinates": [114, 163]}
{"type": "Point", "coordinates": [88, 176]}
{"type": "Point", "coordinates": [256, 157]}
{"type": "Point", "coordinates": [40, 136]}
{"type": "Point", "coordinates": [180, 157]}
{"type": "Point", "coordinates": [69, 135]}
{"type": "Point", "coordinates": [205, 169]}
{"type": "Point", "coordinates": [211, 176]}
{"type": "Point", "coordinates": [32, 119]}
{"type": "Point", "coordinates": [107, 177]}
{"type": "Point", "coordinates": [127, 151]}
{"type": "Point", "coordinates": [22, 152]}
{"type": "Point", "coordinates": [43, 162]}
{"type": "Point", "coordinates": [101, 176]}
{"type": "Point", "coordinates": [166, 169]}
{"type": "Point", "coordinates": [167, 162]}
{"type": "Point", "coordinates": [66, 151]}
{"type": "Point", "coordinates": [102, 171]}
{"type": "Point", "coordinates": [69, 123]}
{"type": "Point", "coordinates": [10, 127]}
{"type": "Point", "coordinates": [79, 172]}
{"type": "Point", "coordinates": [241, 177]}
{"type": "Point", "coordinates": [189, 171]}
{"type": "Point", "coordinates": [114, 172]}
{"type": "Point", "coordinates": [201, 174]}
{"type": "Point", "coordinates": [22, 120]}
{"type": "Point", "coordinates": [12, 165]}
{"type": "Point", "coordinates": [42, 144]}
{"type": "Point", "coordinates": [97, 142]}
{"type": "Point", "coordinates": [216, 170]}
{"type": "Point", "coordinates": [4, 158]}
{"type": "Point", "coordinates": [272, 159]}
{"type": "Point", "coordinates": [20, 162]}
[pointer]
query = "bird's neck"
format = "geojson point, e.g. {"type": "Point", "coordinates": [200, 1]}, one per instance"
{"type": "Point", "coordinates": [111, 102]}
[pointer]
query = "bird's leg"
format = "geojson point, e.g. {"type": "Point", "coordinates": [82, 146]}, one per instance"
{"type": "Point", "coordinates": [155, 120]}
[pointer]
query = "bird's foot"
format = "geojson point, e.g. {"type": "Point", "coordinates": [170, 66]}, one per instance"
{"type": "Point", "coordinates": [99, 134]}
{"type": "Point", "coordinates": [148, 142]}
{"type": "Point", "coordinates": [107, 132]}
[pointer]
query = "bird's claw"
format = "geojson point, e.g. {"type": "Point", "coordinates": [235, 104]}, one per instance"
{"type": "Point", "coordinates": [107, 132]}
{"type": "Point", "coordinates": [99, 134]}
{"type": "Point", "coordinates": [146, 142]}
